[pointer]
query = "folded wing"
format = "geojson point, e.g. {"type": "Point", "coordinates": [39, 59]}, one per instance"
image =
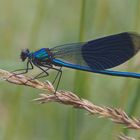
{"type": "Point", "coordinates": [102, 53]}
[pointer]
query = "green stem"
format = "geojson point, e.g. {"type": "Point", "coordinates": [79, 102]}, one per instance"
{"type": "Point", "coordinates": [80, 84]}
{"type": "Point", "coordinates": [80, 81]}
{"type": "Point", "coordinates": [133, 105]}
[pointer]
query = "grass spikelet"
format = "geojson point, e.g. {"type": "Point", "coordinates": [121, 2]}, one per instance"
{"type": "Point", "coordinates": [68, 98]}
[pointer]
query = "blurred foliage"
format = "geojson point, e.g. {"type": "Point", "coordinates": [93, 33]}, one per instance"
{"type": "Point", "coordinates": [46, 23]}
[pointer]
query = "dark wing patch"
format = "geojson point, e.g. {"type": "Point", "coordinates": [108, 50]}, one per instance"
{"type": "Point", "coordinates": [109, 51]}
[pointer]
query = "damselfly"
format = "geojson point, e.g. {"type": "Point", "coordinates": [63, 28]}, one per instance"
{"type": "Point", "coordinates": [95, 56]}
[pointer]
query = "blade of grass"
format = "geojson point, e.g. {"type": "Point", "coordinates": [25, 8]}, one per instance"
{"type": "Point", "coordinates": [133, 105]}
{"type": "Point", "coordinates": [80, 82]}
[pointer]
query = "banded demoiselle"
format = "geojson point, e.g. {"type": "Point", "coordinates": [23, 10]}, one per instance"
{"type": "Point", "coordinates": [95, 56]}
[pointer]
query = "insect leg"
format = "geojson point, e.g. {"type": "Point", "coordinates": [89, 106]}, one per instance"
{"type": "Point", "coordinates": [25, 70]}
{"type": "Point", "coordinates": [44, 71]}
{"type": "Point", "coordinates": [59, 73]}
{"type": "Point", "coordinates": [40, 74]}
{"type": "Point", "coordinates": [56, 75]}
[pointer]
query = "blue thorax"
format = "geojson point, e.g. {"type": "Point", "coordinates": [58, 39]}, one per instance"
{"type": "Point", "coordinates": [41, 54]}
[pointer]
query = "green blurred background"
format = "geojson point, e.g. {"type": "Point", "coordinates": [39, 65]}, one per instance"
{"type": "Point", "coordinates": [35, 24]}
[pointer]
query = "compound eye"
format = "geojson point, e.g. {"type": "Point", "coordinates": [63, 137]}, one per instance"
{"type": "Point", "coordinates": [24, 54]}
